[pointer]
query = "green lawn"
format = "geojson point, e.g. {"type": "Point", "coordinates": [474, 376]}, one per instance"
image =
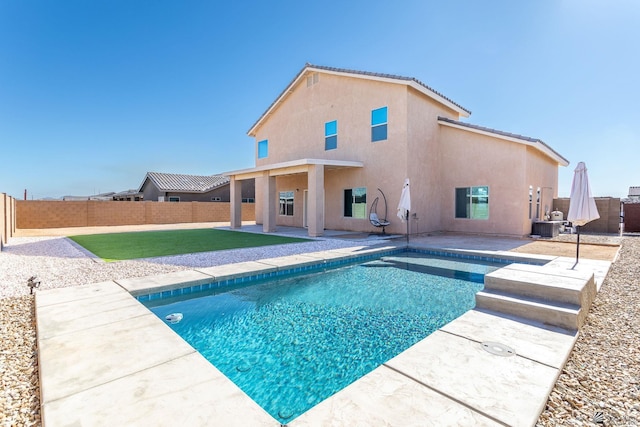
{"type": "Point", "coordinates": [146, 244]}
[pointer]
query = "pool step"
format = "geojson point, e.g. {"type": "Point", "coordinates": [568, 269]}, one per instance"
{"type": "Point", "coordinates": [556, 297]}
{"type": "Point", "coordinates": [565, 316]}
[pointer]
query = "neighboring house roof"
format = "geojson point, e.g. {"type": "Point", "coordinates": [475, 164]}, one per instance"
{"type": "Point", "coordinates": [390, 78]}
{"type": "Point", "coordinates": [534, 142]}
{"type": "Point", "coordinates": [184, 183]}
{"type": "Point", "coordinates": [634, 192]}
{"type": "Point", "coordinates": [126, 193]}
{"type": "Point", "coordinates": [101, 196]}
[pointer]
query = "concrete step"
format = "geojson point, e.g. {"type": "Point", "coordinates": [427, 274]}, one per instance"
{"type": "Point", "coordinates": [560, 314]}
{"type": "Point", "coordinates": [543, 283]}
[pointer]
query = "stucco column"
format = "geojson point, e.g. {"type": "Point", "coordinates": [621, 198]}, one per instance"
{"type": "Point", "coordinates": [269, 205]}
{"type": "Point", "coordinates": [235, 197]}
{"type": "Point", "coordinates": [315, 200]}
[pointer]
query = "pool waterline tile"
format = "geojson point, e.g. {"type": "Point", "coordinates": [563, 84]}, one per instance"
{"type": "Point", "coordinates": [245, 272]}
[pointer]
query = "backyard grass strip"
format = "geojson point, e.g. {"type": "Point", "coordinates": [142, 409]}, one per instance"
{"type": "Point", "coordinates": [147, 244]}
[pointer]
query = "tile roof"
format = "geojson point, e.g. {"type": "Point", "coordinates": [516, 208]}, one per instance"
{"type": "Point", "coordinates": [503, 133]}
{"type": "Point", "coordinates": [386, 76]}
{"type": "Point", "coordinates": [356, 73]}
{"type": "Point", "coordinates": [634, 191]}
{"type": "Point", "coordinates": [185, 183]}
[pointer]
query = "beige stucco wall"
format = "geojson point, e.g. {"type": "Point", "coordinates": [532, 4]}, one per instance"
{"type": "Point", "coordinates": [295, 130]}
{"type": "Point", "coordinates": [508, 168]}
{"type": "Point", "coordinates": [423, 161]}
{"type": "Point", "coordinates": [543, 173]}
{"type": "Point", "coordinates": [436, 158]}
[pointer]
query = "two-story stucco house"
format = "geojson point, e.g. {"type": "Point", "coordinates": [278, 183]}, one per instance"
{"type": "Point", "coordinates": [334, 137]}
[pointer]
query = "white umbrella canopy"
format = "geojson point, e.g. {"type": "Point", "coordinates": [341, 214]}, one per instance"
{"type": "Point", "coordinates": [582, 207]}
{"type": "Point", "coordinates": [404, 206]}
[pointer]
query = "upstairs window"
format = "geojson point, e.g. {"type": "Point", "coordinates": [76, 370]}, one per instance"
{"type": "Point", "coordinates": [331, 135]}
{"type": "Point", "coordinates": [379, 124]}
{"type": "Point", "coordinates": [263, 149]}
{"type": "Point", "coordinates": [472, 202]}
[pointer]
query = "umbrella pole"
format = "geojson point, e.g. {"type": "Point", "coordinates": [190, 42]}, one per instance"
{"type": "Point", "coordinates": [577, 247]}
{"type": "Point", "coordinates": [407, 228]}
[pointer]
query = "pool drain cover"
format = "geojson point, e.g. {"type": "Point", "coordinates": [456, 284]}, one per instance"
{"type": "Point", "coordinates": [498, 349]}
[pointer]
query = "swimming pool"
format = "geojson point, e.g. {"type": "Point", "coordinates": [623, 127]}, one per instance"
{"type": "Point", "coordinates": [291, 343]}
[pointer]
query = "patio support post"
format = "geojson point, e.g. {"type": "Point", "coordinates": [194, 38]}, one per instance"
{"type": "Point", "coordinates": [236, 202]}
{"type": "Point", "coordinates": [269, 203]}
{"type": "Point", "coordinates": [315, 202]}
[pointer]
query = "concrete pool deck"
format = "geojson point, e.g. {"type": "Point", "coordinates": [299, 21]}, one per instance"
{"type": "Point", "coordinates": [106, 359]}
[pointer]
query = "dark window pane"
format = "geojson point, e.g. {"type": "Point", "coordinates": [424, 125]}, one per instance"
{"type": "Point", "coordinates": [462, 203]}
{"type": "Point", "coordinates": [331, 142]}
{"type": "Point", "coordinates": [378, 133]}
{"type": "Point", "coordinates": [348, 200]}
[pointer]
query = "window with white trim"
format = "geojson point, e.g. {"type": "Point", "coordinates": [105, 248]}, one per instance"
{"type": "Point", "coordinates": [286, 203]}
{"type": "Point", "coordinates": [331, 135]}
{"type": "Point", "coordinates": [263, 149]}
{"type": "Point", "coordinates": [472, 202]}
{"type": "Point", "coordinates": [379, 124]}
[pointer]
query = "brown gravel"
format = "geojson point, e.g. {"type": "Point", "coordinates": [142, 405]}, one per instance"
{"type": "Point", "coordinates": [20, 392]}
{"type": "Point", "coordinates": [600, 384]}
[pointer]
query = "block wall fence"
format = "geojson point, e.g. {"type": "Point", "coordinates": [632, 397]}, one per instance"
{"type": "Point", "coordinates": [91, 213]}
{"type": "Point", "coordinates": [608, 208]}
{"type": "Point", "coordinates": [632, 217]}
{"type": "Point", "coordinates": [7, 218]}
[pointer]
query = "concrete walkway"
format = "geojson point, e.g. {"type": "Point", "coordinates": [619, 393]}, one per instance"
{"type": "Point", "coordinates": [107, 360]}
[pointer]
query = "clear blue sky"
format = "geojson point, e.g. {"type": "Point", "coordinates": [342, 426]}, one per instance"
{"type": "Point", "coordinates": [93, 94]}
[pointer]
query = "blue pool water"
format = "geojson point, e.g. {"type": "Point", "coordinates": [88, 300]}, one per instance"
{"type": "Point", "coordinates": [291, 343]}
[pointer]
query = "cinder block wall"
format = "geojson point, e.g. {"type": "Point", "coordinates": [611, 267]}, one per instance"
{"type": "Point", "coordinates": [3, 219]}
{"type": "Point", "coordinates": [7, 218]}
{"type": "Point", "coordinates": [89, 213]}
{"type": "Point", "coordinates": [632, 217]}
{"type": "Point", "coordinates": [608, 208]}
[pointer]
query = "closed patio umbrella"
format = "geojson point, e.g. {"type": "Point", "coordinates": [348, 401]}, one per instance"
{"type": "Point", "coordinates": [404, 206]}
{"type": "Point", "coordinates": [582, 207]}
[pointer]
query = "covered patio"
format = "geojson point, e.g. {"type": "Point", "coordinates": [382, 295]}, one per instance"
{"type": "Point", "coordinates": [266, 191]}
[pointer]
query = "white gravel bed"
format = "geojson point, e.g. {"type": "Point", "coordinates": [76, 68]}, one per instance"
{"type": "Point", "coordinates": [58, 262]}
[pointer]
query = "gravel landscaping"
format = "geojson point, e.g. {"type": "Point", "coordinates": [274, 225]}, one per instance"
{"type": "Point", "coordinates": [600, 384]}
